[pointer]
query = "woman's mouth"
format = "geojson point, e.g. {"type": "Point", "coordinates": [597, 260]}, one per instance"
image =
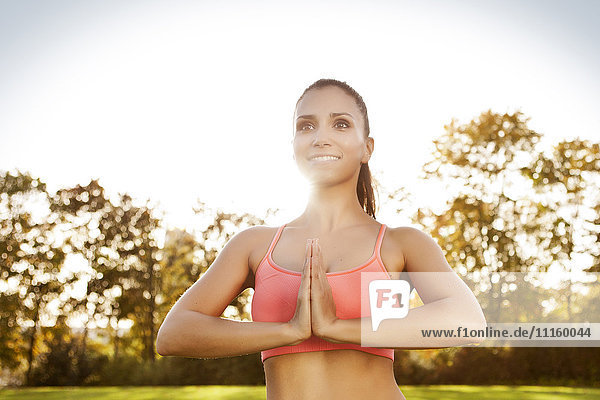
{"type": "Point", "coordinates": [324, 159]}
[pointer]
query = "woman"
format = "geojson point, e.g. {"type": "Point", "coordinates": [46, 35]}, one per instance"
{"type": "Point", "coordinates": [306, 304]}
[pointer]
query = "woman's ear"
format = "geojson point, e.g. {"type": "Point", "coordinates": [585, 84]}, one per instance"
{"type": "Point", "coordinates": [370, 146]}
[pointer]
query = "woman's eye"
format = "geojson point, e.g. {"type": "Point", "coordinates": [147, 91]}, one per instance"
{"type": "Point", "coordinates": [301, 127]}
{"type": "Point", "coordinates": [343, 123]}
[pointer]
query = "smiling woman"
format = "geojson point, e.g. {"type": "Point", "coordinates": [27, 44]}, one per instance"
{"type": "Point", "coordinates": [306, 274]}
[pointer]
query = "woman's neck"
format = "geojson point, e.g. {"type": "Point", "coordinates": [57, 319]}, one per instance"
{"type": "Point", "coordinates": [332, 208]}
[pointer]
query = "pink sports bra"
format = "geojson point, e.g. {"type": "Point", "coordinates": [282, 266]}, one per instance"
{"type": "Point", "coordinates": [276, 293]}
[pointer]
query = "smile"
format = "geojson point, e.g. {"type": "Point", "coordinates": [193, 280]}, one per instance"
{"type": "Point", "coordinates": [324, 158]}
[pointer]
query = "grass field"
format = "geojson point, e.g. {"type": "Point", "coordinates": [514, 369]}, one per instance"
{"type": "Point", "coordinates": [259, 392]}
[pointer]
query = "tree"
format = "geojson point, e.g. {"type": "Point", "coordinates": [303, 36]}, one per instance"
{"type": "Point", "coordinates": [119, 243]}
{"type": "Point", "coordinates": [85, 212]}
{"type": "Point", "coordinates": [31, 261]}
{"type": "Point", "coordinates": [489, 218]}
{"type": "Point", "coordinates": [188, 255]}
{"type": "Point", "coordinates": [565, 180]}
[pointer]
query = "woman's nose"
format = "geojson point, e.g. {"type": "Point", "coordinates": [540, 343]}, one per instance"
{"type": "Point", "coordinates": [320, 136]}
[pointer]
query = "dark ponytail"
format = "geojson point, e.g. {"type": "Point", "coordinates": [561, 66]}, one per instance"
{"type": "Point", "coordinates": [365, 185]}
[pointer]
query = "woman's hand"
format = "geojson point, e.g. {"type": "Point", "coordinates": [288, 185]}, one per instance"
{"type": "Point", "coordinates": [315, 308]}
{"type": "Point", "coordinates": [321, 297]}
{"type": "Point", "coordinates": [300, 322]}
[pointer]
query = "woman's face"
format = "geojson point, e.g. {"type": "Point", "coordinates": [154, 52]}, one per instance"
{"type": "Point", "coordinates": [328, 122]}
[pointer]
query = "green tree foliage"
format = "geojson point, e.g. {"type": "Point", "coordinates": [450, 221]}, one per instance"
{"type": "Point", "coordinates": [495, 221]}
{"type": "Point", "coordinates": [488, 218]}
{"type": "Point", "coordinates": [119, 242]}
{"type": "Point", "coordinates": [566, 182]}
{"type": "Point", "coordinates": [595, 236]}
{"type": "Point", "coordinates": [63, 360]}
{"type": "Point", "coordinates": [188, 255]}
{"type": "Point", "coordinates": [125, 273]}
{"type": "Point", "coordinates": [31, 261]}
{"type": "Point", "coordinates": [509, 208]}
{"type": "Point", "coordinates": [90, 221]}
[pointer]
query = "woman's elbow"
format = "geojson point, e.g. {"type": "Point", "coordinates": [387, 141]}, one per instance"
{"type": "Point", "coordinates": [476, 319]}
{"type": "Point", "coordinates": [164, 341]}
{"type": "Point", "coordinates": [474, 316]}
{"type": "Point", "coordinates": [161, 345]}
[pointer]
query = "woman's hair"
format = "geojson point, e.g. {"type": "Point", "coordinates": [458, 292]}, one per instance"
{"type": "Point", "coordinates": [366, 184]}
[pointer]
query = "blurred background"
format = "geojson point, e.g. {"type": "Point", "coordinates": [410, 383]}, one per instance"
{"type": "Point", "coordinates": [137, 137]}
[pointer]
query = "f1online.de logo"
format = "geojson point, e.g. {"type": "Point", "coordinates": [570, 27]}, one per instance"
{"type": "Point", "coordinates": [388, 299]}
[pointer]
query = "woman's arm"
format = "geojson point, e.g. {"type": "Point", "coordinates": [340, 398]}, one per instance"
{"type": "Point", "coordinates": [194, 328]}
{"type": "Point", "coordinates": [448, 304]}
{"type": "Point", "coordinates": [193, 334]}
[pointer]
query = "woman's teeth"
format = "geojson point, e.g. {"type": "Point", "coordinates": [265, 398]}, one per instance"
{"type": "Point", "coordinates": [323, 158]}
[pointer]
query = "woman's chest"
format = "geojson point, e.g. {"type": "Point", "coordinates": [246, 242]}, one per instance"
{"type": "Point", "coordinates": [337, 256]}
{"type": "Point", "coordinates": [276, 291]}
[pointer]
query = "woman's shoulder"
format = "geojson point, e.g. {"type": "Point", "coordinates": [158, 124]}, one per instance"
{"type": "Point", "coordinates": [408, 233]}
{"type": "Point", "coordinates": [420, 250]}
{"type": "Point", "coordinates": [256, 242]}
{"type": "Point", "coordinates": [409, 237]}
{"type": "Point", "coordinates": [256, 235]}
{"type": "Point", "coordinates": [259, 230]}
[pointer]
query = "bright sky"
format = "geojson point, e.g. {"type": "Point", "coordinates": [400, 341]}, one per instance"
{"type": "Point", "coordinates": [184, 100]}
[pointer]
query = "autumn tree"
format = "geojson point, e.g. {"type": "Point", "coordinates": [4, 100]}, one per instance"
{"type": "Point", "coordinates": [566, 181]}
{"type": "Point", "coordinates": [31, 265]}
{"type": "Point", "coordinates": [489, 218]}
{"type": "Point", "coordinates": [120, 245]}
{"type": "Point", "coordinates": [188, 255]}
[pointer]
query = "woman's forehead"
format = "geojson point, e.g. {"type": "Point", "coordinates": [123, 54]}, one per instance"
{"type": "Point", "coordinates": [326, 100]}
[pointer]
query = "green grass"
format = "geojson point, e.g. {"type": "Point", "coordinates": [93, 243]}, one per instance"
{"type": "Point", "coordinates": [463, 392]}
{"type": "Point", "coordinates": [259, 392]}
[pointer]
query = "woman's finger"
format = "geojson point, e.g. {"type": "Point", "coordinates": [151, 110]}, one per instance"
{"type": "Point", "coordinates": [307, 260]}
{"type": "Point", "coordinates": [317, 266]}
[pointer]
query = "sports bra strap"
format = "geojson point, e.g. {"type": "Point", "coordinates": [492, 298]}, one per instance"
{"type": "Point", "coordinates": [380, 239]}
{"type": "Point", "coordinates": [275, 238]}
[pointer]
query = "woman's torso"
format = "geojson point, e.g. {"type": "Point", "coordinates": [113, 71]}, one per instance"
{"type": "Point", "coordinates": [348, 374]}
